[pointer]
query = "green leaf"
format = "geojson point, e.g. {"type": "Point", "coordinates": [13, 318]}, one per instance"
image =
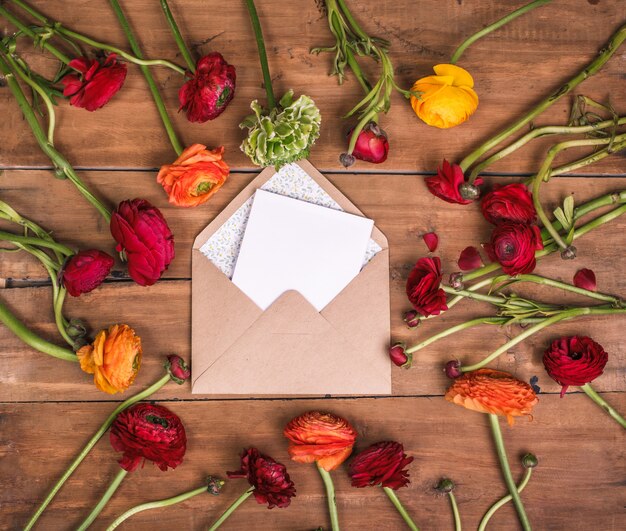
{"type": "Point", "coordinates": [568, 208]}
{"type": "Point", "coordinates": [561, 217]}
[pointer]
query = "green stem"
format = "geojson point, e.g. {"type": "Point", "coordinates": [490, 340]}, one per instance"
{"type": "Point", "coordinates": [355, 27]}
{"type": "Point", "coordinates": [158, 100]}
{"type": "Point", "coordinates": [537, 279]}
{"type": "Point", "coordinates": [591, 393]}
{"type": "Point", "coordinates": [15, 238]}
{"type": "Point", "coordinates": [59, 299]}
{"type": "Point", "coordinates": [503, 501]}
{"type": "Point", "coordinates": [330, 497]}
{"type": "Point", "coordinates": [258, 34]}
{"type": "Point", "coordinates": [104, 500]}
{"type": "Point", "coordinates": [180, 42]}
{"type": "Point", "coordinates": [92, 442]}
{"type": "Point", "coordinates": [359, 127]}
{"type": "Point", "coordinates": [232, 508]}
{"type": "Point", "coordinates": [358, 73]}
{"type": "Point", "coordinates": [589, 159]}
{"type": "Point", "coordinates": [592, 68]}
{"type": "Point", "coordinates": [391, 494]}
{"type": "Point", "coordinates": [155, 505]}
{"type": "Point", "coordinates": [455, 511]}
{"type": "Point", "coordinates": [472, 295]}
{"type": "Point", "coordinates": [506, 471]}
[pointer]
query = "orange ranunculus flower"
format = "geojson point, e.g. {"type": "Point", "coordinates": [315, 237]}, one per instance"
{"type": "Point", "coordinates": [491, 391]}
{"type": "Point", "coordinates": [447, 99]}
{"type": "Point", "coordinates": [113, 358]}
{"type": "Point", "coordinates": [321, 437]}
{"type": "Point", "coordinates": [194, 176]}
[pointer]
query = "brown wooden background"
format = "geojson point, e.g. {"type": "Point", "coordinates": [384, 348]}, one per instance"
{"type": "Point", "coordinates": [48, 408]}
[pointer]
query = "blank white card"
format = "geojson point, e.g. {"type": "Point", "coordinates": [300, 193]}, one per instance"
{"type": "Point", "coordinates": [295, 245]}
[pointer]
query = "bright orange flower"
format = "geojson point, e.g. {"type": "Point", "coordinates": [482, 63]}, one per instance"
{"type": "Point", "coordinates": [194, 176]}
{"type": "Point", "coordinates": [491, 391]}
{"type": "Point", "coordinates": [321, 437]}
{"type": "Point", "coordinates": [113, 358]}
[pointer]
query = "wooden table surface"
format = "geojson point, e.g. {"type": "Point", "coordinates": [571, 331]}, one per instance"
{"type": "Point", "coordinates": [48, 409]}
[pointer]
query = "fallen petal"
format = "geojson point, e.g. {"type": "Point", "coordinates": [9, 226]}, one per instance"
{"type": "Point", "coordinates": [431, 240]}
{"type": "Point", "coordinates": [585, 279]}
{"type": "Point", "coordinates": [470, 259]}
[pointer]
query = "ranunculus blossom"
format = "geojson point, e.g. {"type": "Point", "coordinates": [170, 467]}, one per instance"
{"type": "Point", "coordinates": [95, 83]}
{"type": "Point", "coordinates": [431, 240]}
{"type": "Point", "coordinates": [178, 369]}
{"type": "Point", "coordinates": [142, 233]}
{"type": "Point", "coordinates": [207, 94]}
{"type": "Point", "coordinates": [495, 392]}
{"type": "Point", "coordinates": [320, 437]}
{"type": "Point", "coordinates": [195, 176]}
{"type": "Point", "coordinates": [512, 202]}
{"type": "Point", "coordinates": [586, 279]}
{"type": "Point", "coordinates": [268, 477]}
{"type": "Point", "coordinates": [574, 360]}
{"type": "Point", "coordinates": [381, 464]}
{"type": "Point", "coordinates": [148, 431]}
{"type": "Point", "coordinates": [447, 99]}
{"type": "Point", "coordinates": [423, 287]}
{"type": "Point", "coordinates": [85, 271]}
{"type": "Point", "coordinates": [448, 183]}
{"type": "Point", "coordinates": [513, 246]}
{"type": "Point", "coordinates": [113, 358]}
{"type": "Point", "coordinates": [469, 259]}
{"type": "Point", "coordinates": [371, 145]}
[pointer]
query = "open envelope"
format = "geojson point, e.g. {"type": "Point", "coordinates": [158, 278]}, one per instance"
{"type": "Point", "coordinates": [290, 349]}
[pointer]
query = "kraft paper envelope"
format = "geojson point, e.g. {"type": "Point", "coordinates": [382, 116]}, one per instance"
{"type": "Point", "coordinates": [290, 349]}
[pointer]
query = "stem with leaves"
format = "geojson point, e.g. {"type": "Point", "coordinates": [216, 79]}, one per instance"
{"type": "Point", "coordinates": [260, 42]}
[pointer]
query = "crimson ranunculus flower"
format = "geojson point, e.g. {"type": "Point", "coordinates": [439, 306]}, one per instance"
{"type": "Point", "coordinates": [512, 202]}
{"type": "Point", "coordinates": [382, 465]}
{"type": "Point", "coordinates": [207, 94]}
{"type": "Point", "coordinates": [141, 231]}
{"type": "Point", "coordinates": [449, 184]}
{"type": "Point", "coordinates": [148, 431]}
{"type": "Point", "coordinates": [268, 477]}
{"type": "Point", "coordinates": [371, 144]}
{"type": "Point", "coordinates": [574, 360]}
{"type": "Point", "coordinates": [513, 246]}
{"type": "Point", "coordinates": [423, 287]}
{"type": "Point", "coordinates": [96, 83]}
{"type": "Point", "coordinates": [85, 271]}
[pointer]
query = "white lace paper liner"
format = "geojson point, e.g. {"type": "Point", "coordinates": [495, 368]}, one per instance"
{"type": "Point", "coordinates": [222, 248]}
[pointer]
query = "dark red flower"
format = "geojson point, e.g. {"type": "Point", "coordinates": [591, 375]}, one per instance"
{"type": "Point", "coordinates": [207, 94]}
{"type": "Point", "coordinates": [512, 202]}
{"type": "Point", "coordinates": [371, 144]}
{"type": "Point", "coordinates": [381, 464]}
{"type": "Point", "coordinates": [178, 369]}
{"type": "Point", "coordinates": [423, 287]}
{"type": "Point", "coordinates": [141, 231]}
{"type": "Point", "coordinates": [268, 477]}
{"type": "Point", "coordinates": [574, 360]}
{"type": "Point", "coordinates": [97, 82]}
{"type": "Point", "coordinates": [513, 246]}
{"type": "Point", "coordinates": [469, 259]}
{"type": "Point", "coordinates": [148, 431]}
{"type": "Point", "coordinates": [431, 240]}
{"type": "Point", "coordinates": [586, 279]}
{"type": "Point", "coordinates": [85, 271]}
{"type": "Point", "coordinates": [398, 355]}
{"type": "Point", "coordinates": [449, 184]}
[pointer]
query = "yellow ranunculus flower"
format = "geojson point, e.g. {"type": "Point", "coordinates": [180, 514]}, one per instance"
{"type": "Point", "coordinates": [447, 98]}
{"type": "Point", "coordinates": [114, 358]}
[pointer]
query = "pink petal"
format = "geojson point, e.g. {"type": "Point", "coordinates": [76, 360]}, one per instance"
{"type": "Point", "coordinates": [469, 259]}
{"type": "Point", "coordinates": [431, 240]}
{"type": "Point", "coordinates": [586, 279]}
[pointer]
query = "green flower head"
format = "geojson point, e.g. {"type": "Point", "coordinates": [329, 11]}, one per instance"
{"type": "Point", "coordinates": [284, 135]}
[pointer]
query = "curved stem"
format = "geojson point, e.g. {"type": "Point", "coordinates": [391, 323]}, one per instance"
{"type": "Point", "coordinates": [455, 511]}
{"type": "Point", "coordinates": [15, 238]}
{"type": "Point", "coordinates": [494, 422]}
{"type": "Point", "coordinates": [59, 299]}
{"type": "Point", "coordinates": [503, 501]}
{"type": "Point", "coordinates": [231, 509]}
{"type": "Point", "coordinates": [180, 42]}
{"type": "Point", "coordinates": [358, 73]}
{"type": "Point", "coordinates": [391, 494]}
{"type": "Point", "coordinates": [589, 159]}
{"type": "Point", "coordinates": [591, 393]}
{"type": "Point", "coordinates": [258, 34]}
{"type": "Point", "coordinates": [359, 127]}
{"type": "Point", "coordinates": [92, 442]}
{"type": "Point", "coordinates": [158, 100]}
{"type": "Point", "coordinates": [104, 500]}
{"type": "Point", "coordinates": [330, 497]}
{"type": "Point", "coordinates": [472, 295]}
{"type": "Point", "coordinates": [537, 279]}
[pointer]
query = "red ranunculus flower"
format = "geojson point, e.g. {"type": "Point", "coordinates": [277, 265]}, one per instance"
{"type": "Point", "coordinates": [147, 431]}
{"type": "Point", "coordinates": [513, 246]}
{"type": "Point", "coordinates": [207, 94]}
{"type": "Point", "coordinates": [97, 82]}
{"type": "Point", "coordinates": [423, 287]}
{"type": "Point", "coordinates": [371, 144]}
{"type": "Point", "coordinates": [141, 231]}
{"type": "Point", "coordinates": [268, 477]}
{"type": "Point", "coordinates": [178, 369]}
{"type": "Point", "coordinates": [512, 202]}
{"type": "Point", "coordinates": [381, 464]}
{"type": "Point", "coordinates": [574, 360]}
{"type": "Point", "coordinates": [85, 271]}
{"type": "Point", "coordinates": [447, 184]}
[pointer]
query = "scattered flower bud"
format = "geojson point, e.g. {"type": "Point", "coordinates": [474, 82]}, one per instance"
{"type": "Point", "coordinates": [371, 144]}
{"type": "Point", "coordinates": [76, 329]}
{"type": "Point", "coordinates": [456, 280]}
{"type": "Point", "coordinates": [569, 253]}
{"type": "Point", "coordinates": [178, 369]}
{"type": "Point", "coordinates": [453, 369]}
{"type": "Point", "coordinates": [411, 318]}
{"type": "Point", "coordinates": [399, 357]}
{"type": "Point", "coordinates": [214, 485]}
{"type": "Point", "coordinates": [529, 461]}
{"type": "Point", "coordinates": [469, 192]}
{"type": "Point", "coordinates": [347, 160]}
{"type": "Point", "coordinates": [445, 485]}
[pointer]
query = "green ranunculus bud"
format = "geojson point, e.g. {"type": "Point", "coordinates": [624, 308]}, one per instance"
{"type": "Point", "coordinates": [284, 135]}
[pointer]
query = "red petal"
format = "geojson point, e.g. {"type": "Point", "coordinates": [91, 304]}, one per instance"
{"type": "Point", "coordinates": [469, 259]}
{"type": "Point", "coordinates": [586, 279]}
{"type": "Point", "coordinates": [431, 240]}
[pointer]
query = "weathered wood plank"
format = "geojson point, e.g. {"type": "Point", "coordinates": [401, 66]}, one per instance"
{"type": "Point", "coordinates": [513, 68]}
